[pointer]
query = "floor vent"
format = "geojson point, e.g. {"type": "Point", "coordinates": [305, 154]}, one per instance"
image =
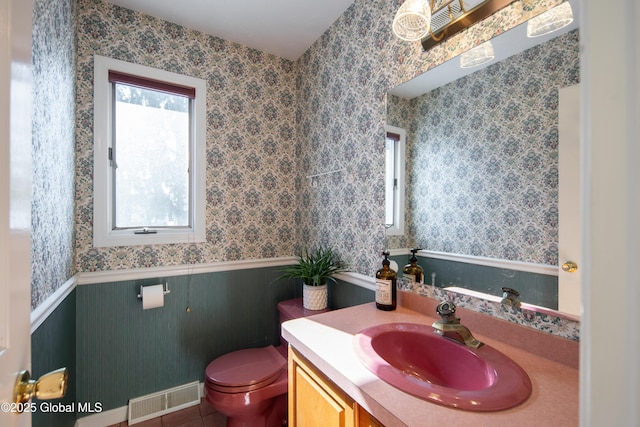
{"type": "Point", "coordinates": [157, 404]}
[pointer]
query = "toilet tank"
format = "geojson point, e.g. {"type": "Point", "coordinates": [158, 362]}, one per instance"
{"type": "Point", "coordinates": [293, 309]}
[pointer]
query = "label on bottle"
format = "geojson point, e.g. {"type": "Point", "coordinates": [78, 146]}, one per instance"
{"type": "Point", "coordinates": [383, 291]}
{"type": "Point", "coordinates": [409, 277]}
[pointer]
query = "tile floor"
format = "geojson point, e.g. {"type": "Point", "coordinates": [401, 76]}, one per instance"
{"type": "Point", "coordinates": [202, 415]}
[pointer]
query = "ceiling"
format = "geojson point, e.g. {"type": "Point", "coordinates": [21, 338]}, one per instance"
{"type": "Point", "coordinates": [286, 28]}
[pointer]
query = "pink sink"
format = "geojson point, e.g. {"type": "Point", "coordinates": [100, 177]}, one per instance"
{"type": "Point", "coordinates": [416, 360]}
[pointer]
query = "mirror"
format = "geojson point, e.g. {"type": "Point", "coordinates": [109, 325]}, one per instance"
{"type": "Point", "coordinates": [482, 152]}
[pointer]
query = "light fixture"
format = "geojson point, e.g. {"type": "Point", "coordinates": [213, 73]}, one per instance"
{"type": "Point", "coordinates": [479, 55]}
{"type": "Point", "coordinates": [432, 21]}
{"type": "Point", "coordinates": [550, 21]}
{"type": "Point", "coordinates": [413, 20]}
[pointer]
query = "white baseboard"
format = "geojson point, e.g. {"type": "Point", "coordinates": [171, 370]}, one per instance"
{"type": "Point", "coordinates": [104, 419]}
{"type": "Point", "coordinates": [528, 267]}
{"type": "Point", "coordinates": [362, 280]}
{"type": "Point", "coordinates": [40, 314]}
{"type": "Point", "coordinates": [97, 277]}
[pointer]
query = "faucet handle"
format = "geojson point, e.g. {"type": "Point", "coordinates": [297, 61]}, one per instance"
{"type": "Point", "coordinates": [510, 297]}
{"type": "Point", "coordinates": [446, 307]}
{"type": "Point", "coordinates": [447, 310]}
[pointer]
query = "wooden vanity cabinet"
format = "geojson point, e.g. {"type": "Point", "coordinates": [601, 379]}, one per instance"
{"type": "Point", "coordinates": [314, 401]}
{"type": "Point", "coordinates": [366, 420]}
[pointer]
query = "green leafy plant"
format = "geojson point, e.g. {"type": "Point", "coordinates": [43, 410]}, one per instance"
{"type": "Point", "coordinates": [315, 267]}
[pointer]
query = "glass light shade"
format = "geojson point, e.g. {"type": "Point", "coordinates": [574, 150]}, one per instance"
{"type": "Point", "coordinates": [413, 20]}
{"type": "Point", "coordinates": [477, 56]}
{"type": "Point", "coordinates": [550, 21]}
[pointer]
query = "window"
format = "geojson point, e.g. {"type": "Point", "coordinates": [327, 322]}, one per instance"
{"type": "Point", "coordinates": [394, 180]}
{"type": "Point", "coordinates": [149, 155]}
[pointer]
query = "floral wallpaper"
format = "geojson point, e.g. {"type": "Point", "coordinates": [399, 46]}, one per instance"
{"type": "Point", "coordinates": [53, 147]}
{"type": "Point", "coordinates": [339, 121]}
{"type": "Point", "coordinates": [483, 157]}
{"type": "Point", "coordinates": [341, 84]}
{"type": "Point", "coordinates": [251, 161]}
{"type": "Point", "coordinates": [271, 123]}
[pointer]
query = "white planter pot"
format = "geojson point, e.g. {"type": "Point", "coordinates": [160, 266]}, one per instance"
{"type": "Point", "coordinates": [314, 297]}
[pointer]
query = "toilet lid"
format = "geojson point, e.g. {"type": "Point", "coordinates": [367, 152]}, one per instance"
{"type": "Point", "coordinates": [246, 367]}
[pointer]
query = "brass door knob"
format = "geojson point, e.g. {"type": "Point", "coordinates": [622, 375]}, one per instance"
{"type": "Point", "coordinates": [50, 386]}
{"type": "Point", "coordinates": [570, 267]}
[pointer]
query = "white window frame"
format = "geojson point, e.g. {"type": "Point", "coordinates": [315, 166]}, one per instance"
{"type": "Point", "coordinates": [104, 234]}
{"type": "Point", "coordinates": [397, 228]}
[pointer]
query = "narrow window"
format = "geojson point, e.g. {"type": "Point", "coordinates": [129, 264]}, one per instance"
{"type": "Point", "coordinates": [394, 180]}
{"type": "Point", "coordinates": [149, 155]}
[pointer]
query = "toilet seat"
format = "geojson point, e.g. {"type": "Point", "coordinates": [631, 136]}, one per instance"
{"type": "Point", "coordinates": [245, 370]}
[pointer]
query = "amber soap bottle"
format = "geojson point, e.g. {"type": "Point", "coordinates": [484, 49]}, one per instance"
{"type": "Point", "coordinates": [412, 272]}
{"type": "Point", "coordinates": [386, 292]}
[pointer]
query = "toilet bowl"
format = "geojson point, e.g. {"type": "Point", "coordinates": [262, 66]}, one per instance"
{"type": "Point", "coordinates": [249, 387]}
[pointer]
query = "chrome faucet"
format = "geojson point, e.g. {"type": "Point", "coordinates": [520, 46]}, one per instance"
{"type": "Point", "coordinates": [450, 326]}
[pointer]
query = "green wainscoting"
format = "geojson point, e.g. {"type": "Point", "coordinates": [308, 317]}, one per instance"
{"type": "Point", "coordinates": [534, 288]}
{"type": "Point", "coordinates": [53, 346]}
{"type": "Point", "coordinates": [344, 294]}
{"type": "Point", "coordinates": [115, 350]}
{"type": "Point", "coordinates": [126, 352]}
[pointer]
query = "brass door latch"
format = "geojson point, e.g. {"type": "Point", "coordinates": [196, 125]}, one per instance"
{"type": "Point", "coordinates": [50, 386]}
{"type": "Point", "coordinates": [570, 267]}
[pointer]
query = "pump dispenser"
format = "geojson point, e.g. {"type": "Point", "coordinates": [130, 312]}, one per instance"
{"type": "Point", "coordinates": [386, 286]}
{"type": "Point", "coordinates": [412, 272]}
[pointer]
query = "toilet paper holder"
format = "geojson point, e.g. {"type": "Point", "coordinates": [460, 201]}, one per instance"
{"type": "Point", "coordinates": [165, 289]}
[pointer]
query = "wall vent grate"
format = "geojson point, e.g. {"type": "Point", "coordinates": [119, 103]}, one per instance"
{"type": "Point", "coordinates": [163, 402]}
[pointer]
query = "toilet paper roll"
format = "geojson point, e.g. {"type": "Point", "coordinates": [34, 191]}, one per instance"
{"type": "Point", "coordinates": [152, 296]}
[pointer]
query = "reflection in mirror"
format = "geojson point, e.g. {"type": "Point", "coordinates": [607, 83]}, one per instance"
{"type": "Point", "coordinates": [482, 160]}
{"type": "Point", "coordinates": [394, 181]}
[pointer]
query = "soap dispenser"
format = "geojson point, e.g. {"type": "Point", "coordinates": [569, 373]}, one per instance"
{"type": "Point", "coordinates": [386, 286]}
{"type": "Point", "coordinates": [412, 272]}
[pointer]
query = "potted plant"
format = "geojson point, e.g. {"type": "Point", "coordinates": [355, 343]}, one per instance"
{"type": "Point", "coordinates": [315, 268]}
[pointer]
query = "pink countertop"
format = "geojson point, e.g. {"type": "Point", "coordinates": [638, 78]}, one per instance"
{"type": "Point", "coordinates": [326, 340]}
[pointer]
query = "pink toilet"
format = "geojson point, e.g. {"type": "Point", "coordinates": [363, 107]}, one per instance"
{"type": "Point", "coordinates": [250, 386]}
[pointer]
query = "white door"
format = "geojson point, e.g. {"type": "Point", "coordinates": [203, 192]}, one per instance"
{"type": "Point", "coordinates": [569, 200]}
{"type": "Point", "coordinates": [15, 202]}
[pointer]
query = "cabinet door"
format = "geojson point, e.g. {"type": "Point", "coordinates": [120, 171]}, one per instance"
{"type": "Point", "coordinates": [313, 401]}
{"type": "Point", "coordinates": [366, 420]}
